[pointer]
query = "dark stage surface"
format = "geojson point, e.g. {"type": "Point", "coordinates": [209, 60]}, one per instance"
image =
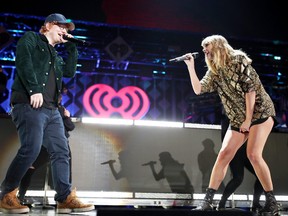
{"type": "Point", "coordinates": [107, 211]}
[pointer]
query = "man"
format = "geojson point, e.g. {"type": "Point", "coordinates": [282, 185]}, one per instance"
{"type": "Point", "coordinates": [34, 100]}
{"type": "Point", "coordinates": [43, 157]}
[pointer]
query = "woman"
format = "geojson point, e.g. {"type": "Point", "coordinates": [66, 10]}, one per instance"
{"type": "Point", "coordinates": [237, 165]}
{"type": "Point", "coordinates": [248, 106]}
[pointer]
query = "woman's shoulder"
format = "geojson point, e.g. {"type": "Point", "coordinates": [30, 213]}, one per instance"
{"type": "Point", "coordinates": [240, 57]}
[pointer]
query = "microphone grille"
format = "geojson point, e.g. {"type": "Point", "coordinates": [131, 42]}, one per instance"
{"type": "Point", "coordinates": [195, 54]}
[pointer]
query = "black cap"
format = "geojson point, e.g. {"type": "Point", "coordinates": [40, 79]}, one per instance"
{"type": "Point", "coordinates": [59, 18]}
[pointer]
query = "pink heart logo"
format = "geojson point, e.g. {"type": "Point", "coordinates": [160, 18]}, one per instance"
{"type": "Point", "coordinates": [130, 102]}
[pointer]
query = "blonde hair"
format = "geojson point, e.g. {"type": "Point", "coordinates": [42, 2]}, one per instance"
{"type": "Point", "coordinates": [221, 52]}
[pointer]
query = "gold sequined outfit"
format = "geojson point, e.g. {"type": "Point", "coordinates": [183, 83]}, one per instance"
{"type": "Point", "coordinates": [231, 83]}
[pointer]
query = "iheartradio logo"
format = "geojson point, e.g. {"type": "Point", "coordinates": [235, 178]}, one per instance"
{"type": "Point", "coordinates": [102, 100]}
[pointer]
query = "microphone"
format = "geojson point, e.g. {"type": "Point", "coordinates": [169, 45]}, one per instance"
{"type": "Point", "coordinates": [182, 58]}
{"type": "Point", "coordinates": [75, 40]}
{"type": "Point", "coordinates": [108, 162]}
{"type": "Point", "coordinates": [149, 163]}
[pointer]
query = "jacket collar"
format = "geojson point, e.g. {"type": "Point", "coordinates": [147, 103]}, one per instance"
{"type": "Point", "coordinates": [44, 38]}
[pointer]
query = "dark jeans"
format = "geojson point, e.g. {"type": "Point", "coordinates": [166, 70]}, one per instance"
{"type": "Point", "coordinates": [37, 126]}
{"type": "Point", "coordinates": [42, 160]}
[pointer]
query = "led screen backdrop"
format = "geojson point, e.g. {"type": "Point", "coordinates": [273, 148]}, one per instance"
{"type": "Point", "coordinates": [147, 159]}
{"type": "Point", "coordinates": [130, 97]}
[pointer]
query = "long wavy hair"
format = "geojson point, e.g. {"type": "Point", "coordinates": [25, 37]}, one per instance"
{"type": "Point", "coordinates": [222, 53]}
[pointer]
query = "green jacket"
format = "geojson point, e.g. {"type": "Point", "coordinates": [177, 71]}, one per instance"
{"type": "Point", "coordinates": [34, 60]}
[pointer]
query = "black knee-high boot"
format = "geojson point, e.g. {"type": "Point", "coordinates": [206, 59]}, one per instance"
{"type": "Point", "coordinates": [256, 206]}
{"type": "Point", "coordinates": [222, 203]}
{"type": "Point", "coordinates": [258, 190]}
{"type": "Point", "coordinates": [271, 206]}
{"type": "Point", "coordinates": [207, 203]}
{"type": "Point", "coordinates": [24, 184]}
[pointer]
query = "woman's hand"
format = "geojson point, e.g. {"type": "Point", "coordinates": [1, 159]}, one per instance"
{"type": "Point", "coordinates": [245, 126]}
{"type": "Point", "coordinates": [189, 59]}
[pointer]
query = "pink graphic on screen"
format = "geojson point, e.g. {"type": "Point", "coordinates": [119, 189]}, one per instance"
{"type": "Point", "coordinates": [103, 101]}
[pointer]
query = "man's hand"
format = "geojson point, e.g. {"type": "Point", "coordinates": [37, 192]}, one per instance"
{"type": "Point", "coordinates": [66, 112]}
{"type": "Point", "coordinates": [36, 100]}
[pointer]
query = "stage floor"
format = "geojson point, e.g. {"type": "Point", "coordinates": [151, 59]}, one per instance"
{"type": "Point", "coordinates": [128, 211]}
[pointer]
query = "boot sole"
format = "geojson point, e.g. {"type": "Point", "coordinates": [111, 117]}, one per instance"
{"type": "Point", "coordinates": [269, 214]}
{"type": "Point", "coordinates": [15, 211]}
{"type": "Point", "coordinates": [67, 210]}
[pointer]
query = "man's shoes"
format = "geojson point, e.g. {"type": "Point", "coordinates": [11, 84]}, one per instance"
{"type": "Point", "coordinates": [204, 206]}
{"type": "Point", "coordinates": [73, 204]}
{"type": "Point", "coordinates": [10, 204]}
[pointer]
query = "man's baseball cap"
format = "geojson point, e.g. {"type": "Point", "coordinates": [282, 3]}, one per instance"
{"type": "Point", "coordinates": [59, 18]}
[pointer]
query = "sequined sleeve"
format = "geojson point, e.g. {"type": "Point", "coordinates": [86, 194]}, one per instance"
{"type": "Point", "coordinates": [207, 84]}
{"type": "Point", "coordinates": [247, 74]}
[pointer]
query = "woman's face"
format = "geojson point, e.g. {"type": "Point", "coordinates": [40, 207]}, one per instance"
{"type": "Point", "coordinates": [207, 48]}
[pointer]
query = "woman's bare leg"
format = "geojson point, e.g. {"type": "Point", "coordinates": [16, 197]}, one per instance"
{"type": "Point", "coordinates": [233, 140]}
{"type": "Point", "coordinates": [258, 136]}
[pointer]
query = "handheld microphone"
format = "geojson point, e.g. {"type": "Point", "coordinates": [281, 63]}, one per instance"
{"type": "Point", "coordinates": [108, 162]}
{"type": "Point", "coordinates": [182, 58]}
{"type": "Point", "coordinates": [149, 163]}
{"type": "Point", "coordinates": [75, 40]}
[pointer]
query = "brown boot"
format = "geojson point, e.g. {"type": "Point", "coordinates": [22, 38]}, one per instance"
{"type": "Point", "coordinates": [10, 204]}
{"type": "Point", "coordinates": [73, 204]}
